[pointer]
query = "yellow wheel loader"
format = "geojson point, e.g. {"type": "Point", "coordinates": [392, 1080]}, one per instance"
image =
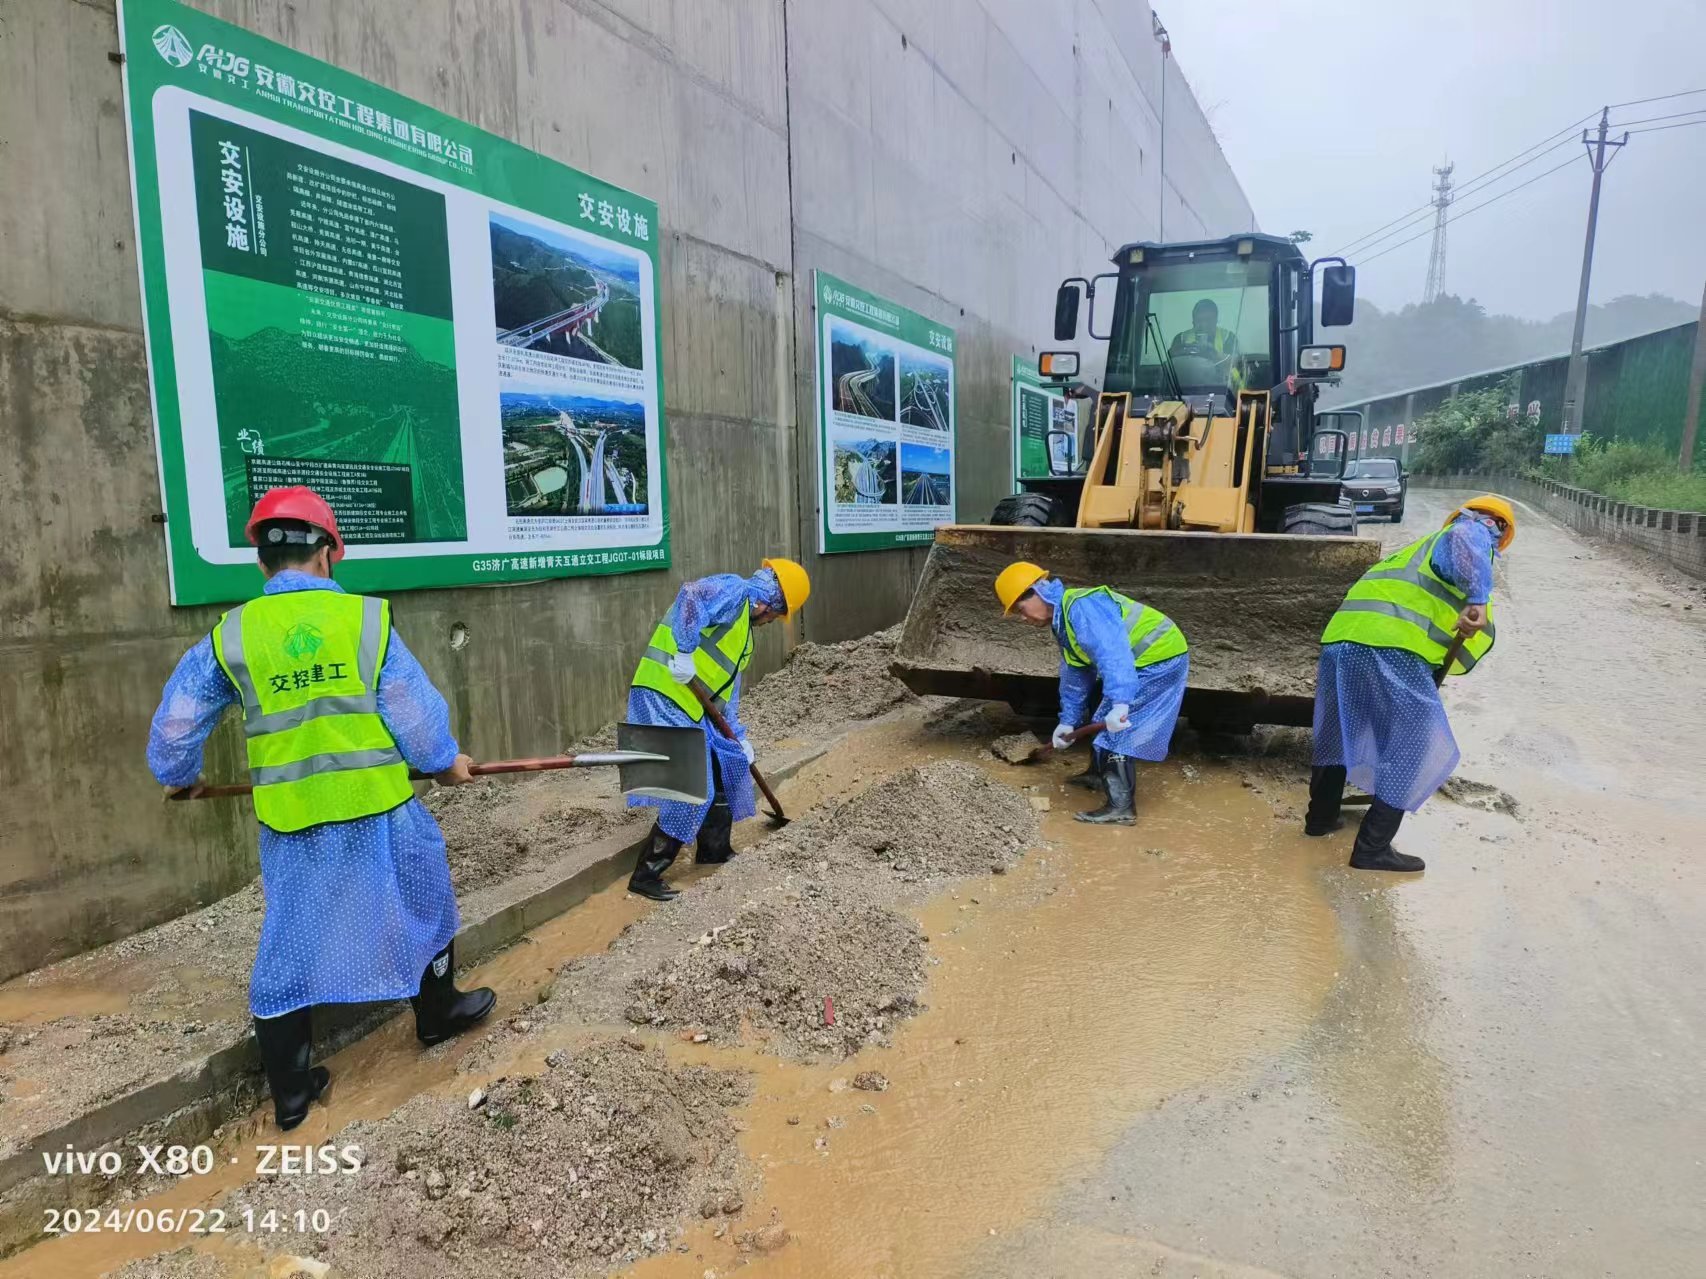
{"type": "Point", "coordinates": [1209, 487]}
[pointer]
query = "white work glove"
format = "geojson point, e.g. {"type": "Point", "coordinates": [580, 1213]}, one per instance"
{"type": "Point", "coordinates": [746, 749]}
{"type": "Point", "coordinates": [681, 668]}
{"type": "Point", "coordinates": [1118, 718]}
{"type": "Point", "coordinates": [1062, 736]}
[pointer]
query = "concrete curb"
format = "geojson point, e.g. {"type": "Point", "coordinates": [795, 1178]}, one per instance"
{"type": "Point", "coordinates": [223, 1082]}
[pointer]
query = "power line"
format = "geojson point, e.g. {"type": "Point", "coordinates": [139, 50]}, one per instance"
{"type": "Point", "coordinates": [1468, 188]}
{"type": "Point", "coordinates": [1472, 208]}
{"type": "Point", "coordinates": [1468, 184]}
{"type": "Point", "coordinates": [1674, 115]}
{"type": "Point", "coordinates": [1663, 97]}
{"type": "Point", "coordinates": [1660, 128]}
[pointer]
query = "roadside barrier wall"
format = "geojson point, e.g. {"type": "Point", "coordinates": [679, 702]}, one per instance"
{"type": "Point", "coordinates": [1676, 537]}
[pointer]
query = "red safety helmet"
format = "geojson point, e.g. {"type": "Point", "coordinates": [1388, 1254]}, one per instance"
{"type": "Point", "coordinates": [296, 503]}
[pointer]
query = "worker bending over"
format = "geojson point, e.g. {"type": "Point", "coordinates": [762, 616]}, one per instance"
{"type": "Point", "coordinates": [336, 710]}
{"type": "Point", "coordinates": [706, 637]}
{"type": "Point", "coordinates": [1138, 654]}
{"type": "Point", "coordinates": [1378, 714]}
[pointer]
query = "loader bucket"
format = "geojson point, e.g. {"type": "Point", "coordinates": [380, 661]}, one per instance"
{"type": "Point", "coordinates": [1252, 607]}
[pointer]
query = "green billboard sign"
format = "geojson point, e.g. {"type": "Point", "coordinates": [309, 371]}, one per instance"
{"type": "Point", "coordinates": [1045, 427]}
{"type": "Point", "coordinates": [451, 338]}
{"type": "Point", "coordinates": [886, 426]}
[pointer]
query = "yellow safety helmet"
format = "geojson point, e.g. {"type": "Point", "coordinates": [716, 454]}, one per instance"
{"type": "Point", "coordinates": [1490, 504]}
{"type": "Point", "coordinates": [1014, 580]}
{"type": "Point", "coordinates": [796, 586]}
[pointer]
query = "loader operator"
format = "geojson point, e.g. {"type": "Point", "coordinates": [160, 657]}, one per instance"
{"type": "Point", "coordinates": [1140, 657]}
{"type": "Point", "coordinates": [359, 905]}
{"type": "Point", "coordinates": [1378, 714]}
{"type": "Point", "coordinates": [706, 637]}
{"type": "Point", "coordinates": [1206, 339]}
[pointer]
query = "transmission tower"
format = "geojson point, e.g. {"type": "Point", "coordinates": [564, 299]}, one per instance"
{"type": "Point", "coordinates": [1436, 259]}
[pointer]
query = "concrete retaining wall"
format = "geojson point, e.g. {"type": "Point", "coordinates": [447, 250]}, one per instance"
{"type": "Point", "coordinates": [960, 156]}
{"type": "Point", "coordinates": [1676, 537]}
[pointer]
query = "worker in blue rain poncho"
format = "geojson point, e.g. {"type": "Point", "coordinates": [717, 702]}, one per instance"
{"type": "Point", "coordinates": [1378, 716]}
{"type": "Point", "coordinates": [1138, 654]}
{"type": "Point", "coordinates": [335, 711]}
{"type": "Point", "coordinates": [703, 644]}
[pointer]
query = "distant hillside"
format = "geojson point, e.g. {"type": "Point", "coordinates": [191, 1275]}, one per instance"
{"type": "Point", "coordinates": [1418, 345]}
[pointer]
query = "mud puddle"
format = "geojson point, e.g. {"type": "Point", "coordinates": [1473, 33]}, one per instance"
{"type": "Point", "coordinates": [1108, 971]}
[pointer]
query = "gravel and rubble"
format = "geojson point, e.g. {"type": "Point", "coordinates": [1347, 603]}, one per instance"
{"type": "Point", "coordinates": [822, 687]}
{"type": "Point", "coordinates": [815, 977]}
{"type": "Point", "coordinates": [604, 1158]}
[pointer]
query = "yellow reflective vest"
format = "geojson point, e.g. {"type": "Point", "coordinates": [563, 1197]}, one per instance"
{"type": "Point", "coordinates": [1402, 603]}
{"type": "Point", "coordinates": [723, 653]}
{"type": "Point", "coordinates": [1153, 636]}
{"type": "Point", "coordinates": [306, 667]}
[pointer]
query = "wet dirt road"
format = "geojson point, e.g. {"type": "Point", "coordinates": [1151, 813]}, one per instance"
{"type": "Point", "coordinates": [1505, 1078]}
{"type": "Point", "coordinates": [1206, 1048]}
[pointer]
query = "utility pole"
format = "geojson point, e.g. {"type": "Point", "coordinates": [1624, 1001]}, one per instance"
{"type": "Point", "coordinates": [1166, 43]}
{"type": "Point", "coordinates": [1436, 260]}
{"type": "Point", "coordinates": [1575, 384]}
{"type": "Point", "coordinates": [1696, 384]}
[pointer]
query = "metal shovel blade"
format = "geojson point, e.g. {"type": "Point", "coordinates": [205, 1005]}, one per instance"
{"type": "Point", "coordinates": [680, 775]}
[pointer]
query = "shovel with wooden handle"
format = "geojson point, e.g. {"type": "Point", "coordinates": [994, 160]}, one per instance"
{"type": "Point", "coordinates": [776, 817]}
{"type": "Point", "coordinates": [656, 760]}
{"type": "Point", "coordinates": [1045, 749]}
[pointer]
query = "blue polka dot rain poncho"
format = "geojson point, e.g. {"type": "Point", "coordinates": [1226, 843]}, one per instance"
{"type": "Point", "coordinates": [1154, 693]}
{"type": "Point", "coordinates": [1377, 710]}
{"type": "Point", "coordinates": [354, 910]}
{"type": "Point", "coordinates": [708, 601]}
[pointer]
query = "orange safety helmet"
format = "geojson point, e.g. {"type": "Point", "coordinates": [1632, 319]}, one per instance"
{"type": "Point", "coordinates": [296, 503]}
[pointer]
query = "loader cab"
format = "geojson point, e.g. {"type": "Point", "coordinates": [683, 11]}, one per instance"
{"type": "Point", "coordinates": [1202, 321]}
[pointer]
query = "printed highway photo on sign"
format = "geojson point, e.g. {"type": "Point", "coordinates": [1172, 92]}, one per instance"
{"type": "Point", "coordinates": [570, 298]}
{"type": "Point", "coordinates": [573, 455]}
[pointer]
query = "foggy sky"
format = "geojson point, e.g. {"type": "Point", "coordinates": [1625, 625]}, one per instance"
{"type": "Point", "coordinates": [1333, 112]}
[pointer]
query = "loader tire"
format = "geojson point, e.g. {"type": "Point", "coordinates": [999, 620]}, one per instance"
{"type": "Point", "coordinates": [1320, 519]}
{"type": "Point", "coordinates": [1029, 510]}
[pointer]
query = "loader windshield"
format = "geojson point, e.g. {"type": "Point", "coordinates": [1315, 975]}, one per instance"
{"type": "Point", "coordinates": [1192, 327]}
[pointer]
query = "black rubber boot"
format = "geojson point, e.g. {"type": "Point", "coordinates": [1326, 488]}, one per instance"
{"type": "Point", "coordinates": [1373, 849]}
{"type": "Point", "coordinates": [286, 1043]}
{"type": "Point", "coordinates": [1326, 795]}
{"type": "Point", "coordinates": [1091, 777]}
{"type": "Point", "coordinates": [712, 847]}
{"type": "Point", "coordinates": [440, 1009]}
{"type": "Point", "coordinates": [1119, 775]}
{"type": "Point", "coordinates": [655, 858]}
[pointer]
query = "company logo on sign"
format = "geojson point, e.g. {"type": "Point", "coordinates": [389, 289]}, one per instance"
{"type": "Point", "coordinates": [171, 45]}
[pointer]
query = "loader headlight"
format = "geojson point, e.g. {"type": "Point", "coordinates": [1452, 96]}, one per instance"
{"type": "Point", "coordinates": [1058, 364]}
{"type": "Point", "coordinates": [1317, 360]}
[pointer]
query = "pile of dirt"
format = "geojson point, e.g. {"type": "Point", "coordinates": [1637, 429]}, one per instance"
{"type": "Point", "coordinates": [823, 686]}
{"type": "Point", "coordinates": [495, 830]}
{"type": "Point", "coordinates": [600, 1160]}
{"type": "Point", "coordinates": [1016, 748]}
{"type": "Point", "coordinates": [818, 977]}
{"type": "Point", "coordinates": [925, 822]}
